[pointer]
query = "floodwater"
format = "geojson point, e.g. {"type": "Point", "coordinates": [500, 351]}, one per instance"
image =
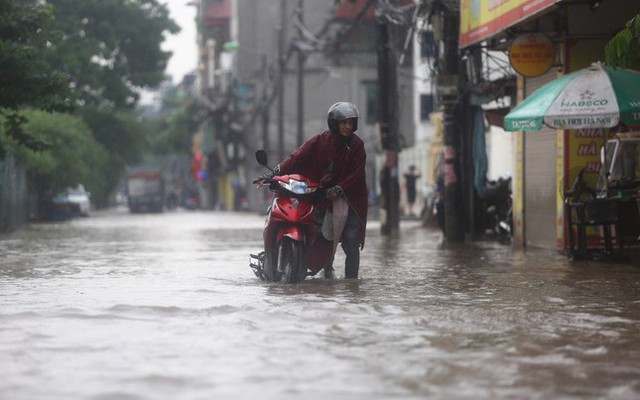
{"type": "Point", "coordinates": [120, 306]}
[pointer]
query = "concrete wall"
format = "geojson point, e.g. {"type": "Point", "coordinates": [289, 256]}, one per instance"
{"type": "Point", "coordinates": [500, 153]}
{"type": "Point", "coordinates": [13, 194]}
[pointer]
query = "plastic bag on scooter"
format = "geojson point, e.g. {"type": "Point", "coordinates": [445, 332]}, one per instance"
{"type": "Point", "coordinates": [334, 220]}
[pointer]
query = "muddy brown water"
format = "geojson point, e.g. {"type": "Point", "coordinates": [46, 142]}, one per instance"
{"type": "Point", "coordinates": [120, 306]}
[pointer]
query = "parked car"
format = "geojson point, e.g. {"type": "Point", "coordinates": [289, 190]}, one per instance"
{"type": "Point", "coordinates": [75, 199]}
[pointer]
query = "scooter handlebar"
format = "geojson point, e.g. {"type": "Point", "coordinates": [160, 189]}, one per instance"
{"type": "Point", "coordinates": [262, 181]}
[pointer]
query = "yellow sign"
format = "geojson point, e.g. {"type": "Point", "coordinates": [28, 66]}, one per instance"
{"type": "Point", "coordinates": [532, 54]}
{"type": "Point", "coordinates": [481, 19]}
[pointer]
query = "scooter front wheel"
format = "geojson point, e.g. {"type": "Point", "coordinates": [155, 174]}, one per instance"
{"type": "Point", "coordinates": [290, 263]}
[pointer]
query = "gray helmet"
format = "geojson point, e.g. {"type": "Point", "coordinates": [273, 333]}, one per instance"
{"type": "Point", "coordinates": [339, 112]}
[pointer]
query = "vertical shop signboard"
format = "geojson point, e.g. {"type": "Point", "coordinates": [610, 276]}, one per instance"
{"type": "Point", "coordinates": [518, 179]}
{"type": "Point", "coordinates": [560, 148]}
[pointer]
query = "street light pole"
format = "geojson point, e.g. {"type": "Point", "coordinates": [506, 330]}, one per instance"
{"type": "Point", "coordinates": [452, 128]}
{"type": "Point", "coordinates": [388, 125]}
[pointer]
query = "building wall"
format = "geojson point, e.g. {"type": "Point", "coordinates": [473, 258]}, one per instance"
{"type": "Point", "coordinates": [500, 153]}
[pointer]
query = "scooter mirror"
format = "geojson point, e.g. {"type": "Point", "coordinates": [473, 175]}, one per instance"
{"type": "Point", "coordinates": [261, 157]}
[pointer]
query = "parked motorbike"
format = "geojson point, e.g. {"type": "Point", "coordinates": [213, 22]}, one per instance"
{"type": "Point", "coordinates": [433, 209]}
{"type": "Point", "coordinates": [191, 201]}
{"type": "Point", "coordinates": [294, 246]}
{"type": "Point", "coordinates": [498, 208]}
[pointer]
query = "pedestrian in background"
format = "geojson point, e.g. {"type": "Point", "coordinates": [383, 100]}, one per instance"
{"type": "Point", "coordinates": [410, 178]}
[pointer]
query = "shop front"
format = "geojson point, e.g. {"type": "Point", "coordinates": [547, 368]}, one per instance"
{"type": "Point", "coordinates": [550, 159]}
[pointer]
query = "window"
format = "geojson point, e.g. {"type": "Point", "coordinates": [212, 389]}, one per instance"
{"type": "Point", "coordinates": [371, 116]}
{"type": "Point", "coordinates": [426, 106]}
{"type": "Point", "coordinates": [427, 45]}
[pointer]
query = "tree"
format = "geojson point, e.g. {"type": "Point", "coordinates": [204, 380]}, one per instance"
{"type": "Point", "coordinates": [623, 50]}
{"type": "Point", "coordinates": [124, 135]}
{"type": "Point", "coordinates": [26, 78]}
{"type": "Point", "coordinates": [71, 157]}
{"type": "Point", "coordinates": [90, 57]}
{"type": "Point", "coordinates": [111, 48]}
{"type": "Point", "coordinates": [173, 125]}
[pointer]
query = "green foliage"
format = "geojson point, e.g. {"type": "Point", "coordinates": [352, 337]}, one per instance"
{"type": "Point", "coordinates": [72, 156]}
{"type": "Point", "coordinates": [112, 47]}
{"type": "Point", "coordinates": [119, 131]}
{"type": "Point", "coordinates": [26, 77]}
{"type": "Point", "coordinates": [177, 134]}
{"type": "Point", "coordinates": [125, 136]}
{"type": "Point", "coordinates": [623, 50]}
{"type": "Point", "coordinates": [87, 55]}
{"type": "Point", "coordinates": [171, 131]}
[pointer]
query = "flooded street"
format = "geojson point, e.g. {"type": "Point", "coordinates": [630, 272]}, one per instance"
{"type": "Point", "coordinates": [120, 306]}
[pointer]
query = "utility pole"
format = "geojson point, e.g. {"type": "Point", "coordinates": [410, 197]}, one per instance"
{"type": "Point", "coordinates": [265, 104]}
{"type": "Point", "coordinates": [301, 60]}
{"type": "Point", "coordinates": [282, 63]}
{"type": "Point", "coordinates": [388, 126]}
{"type": "Point", "coordinates": [452, 128]}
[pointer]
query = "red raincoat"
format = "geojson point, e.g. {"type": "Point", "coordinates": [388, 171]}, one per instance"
{"type": "Point", "coordinates": [334, 160]}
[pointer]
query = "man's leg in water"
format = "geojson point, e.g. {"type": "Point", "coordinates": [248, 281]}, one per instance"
{"type": "Point", "coordinates": [351, 245]}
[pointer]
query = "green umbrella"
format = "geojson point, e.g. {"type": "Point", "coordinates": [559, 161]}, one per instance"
{"type": "Point", "coordinates": [599, 96]}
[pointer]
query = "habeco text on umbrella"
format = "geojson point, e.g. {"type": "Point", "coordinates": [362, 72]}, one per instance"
{"type": "Point", "coordinates": [585, 103]}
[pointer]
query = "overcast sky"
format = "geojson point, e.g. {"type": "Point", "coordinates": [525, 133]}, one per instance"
{"type": "Point", "coordinates": [183, 45]}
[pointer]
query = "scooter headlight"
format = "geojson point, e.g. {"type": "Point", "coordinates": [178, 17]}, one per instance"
{"type": "Point", "coordinates": [297, 187]}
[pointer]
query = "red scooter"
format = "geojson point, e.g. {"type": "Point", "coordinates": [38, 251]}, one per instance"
{"type": "Point", "coordinates": [294, 246]}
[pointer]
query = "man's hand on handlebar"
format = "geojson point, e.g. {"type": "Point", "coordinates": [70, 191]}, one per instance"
{"type": "Point", "coordinates": [265, 179]}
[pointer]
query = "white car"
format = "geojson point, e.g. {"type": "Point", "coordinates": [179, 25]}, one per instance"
{"type": "Point", "coordinates": [77, 198]}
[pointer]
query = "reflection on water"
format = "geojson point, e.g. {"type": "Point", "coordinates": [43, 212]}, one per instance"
{"type": "Point", "coordinates": [165, 306]}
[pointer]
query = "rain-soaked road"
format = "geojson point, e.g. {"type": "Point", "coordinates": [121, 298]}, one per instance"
{"type": "Point", "coordinates": [165, 306]}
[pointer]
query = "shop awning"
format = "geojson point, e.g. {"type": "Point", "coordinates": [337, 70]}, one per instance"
{"type": "Point", "coordinates": [217, 13]}
{"type": "Point", "coordinates": [495, 117]}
